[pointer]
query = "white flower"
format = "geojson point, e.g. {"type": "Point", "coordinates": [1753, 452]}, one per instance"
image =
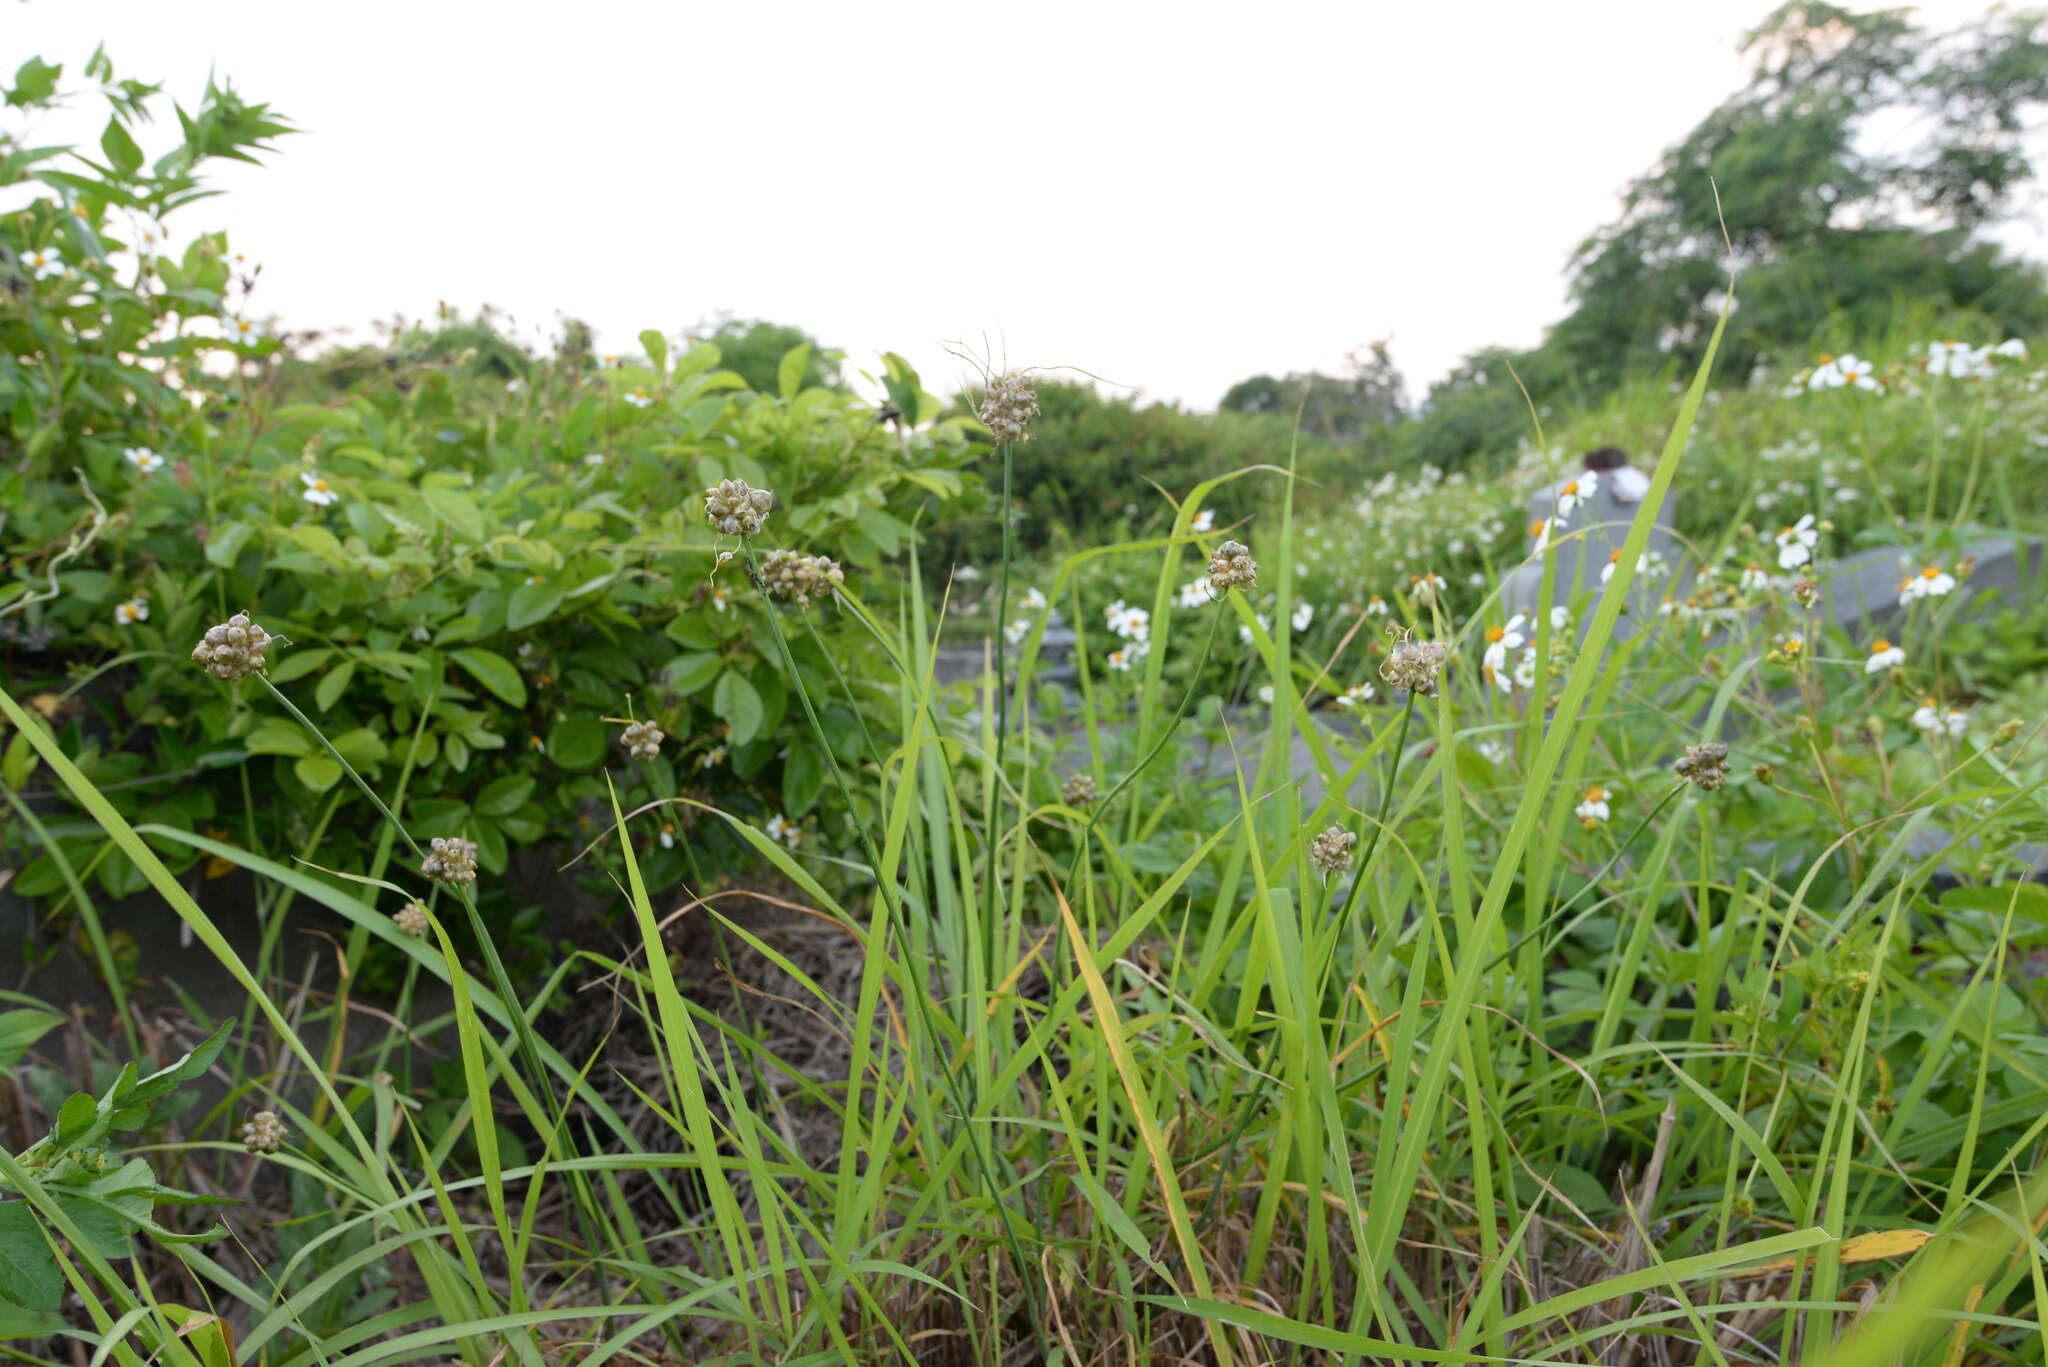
{"type": "Point", "coordinates": [1124, 657]}
{"type": "Point", "coordinates": [1843, 371]}
{"type": "Point", "coordinates": [2012, 347]}
{"type": "Point", "coordinates": [1931, 582]}
{"type": "Point", "coordinates": [1196, 593]}
{"type": "Point", "coordinates": [1883, 655]}
{"type": "Point", "coordinates": [1266, 694]}
{"type": "Point", "coordinates": [1937, 720]}
{"type": "Point", "coordinates": [667, 836]}
{"type": "Point", "coordinates": [719, 597]}
{"type": "Point", "coordinates": [1493, 751]}
{"type": "Point", "coordinates": [711, 758]}
{"type": "Point", "coordinates": [43, 262]}
{"type": "Point", "coordinates": [1244, 631]}
{"type": "Point", "coordinates": [1593, 809]}
{"type": "Point", "coordinates": [639, 398]}
{"type": "Point", "coordinates": [1016, 631]}
{"type": "Point", "coordinates": [1358, 695]}
{"type": "Point", "coordinates": [1576, 491]}
{"type": "Point", "coordinates": [244, 332]}
{"type": "Point", "coordinates": [1033, 600]}
{"type": "Point", "coordinates": [1204, 521]}
{"type": "Point", "coordinates": [1560, 618]}
{"type": "Point", "coordinates": [1539, 532]}
{"type": "Point", "coordinates": [1648, 565]}
{"type": "Point", "coordinates": [1753, 579]}
{"type": "Point", "coordinates": [1426, 586]}
{"type": "Point", "coordinates": [1957, 360]}
{"type": "Point", "coordinates": [788, 832]}
{"type": "Point", "coordinates": [1303, 615]}
{"type": "Point", "coordinates": [1375, 606]}
{"type": "Point", "coordinates": [1796, 543]}
{"type": "Point", "coordinates": [1499, 642]}
{"type": "Point", "coordinates": [515, 386]}
{"type": "Point", "coordinates": [130, 612]}
{"type": "Point", "coordinates": [967, 574]}
{"type": "Point", "coordinates": [151, 238]}
{"type": "Point", "coordinates": [318, 491]}
{"type": "Point", "coordinates": [1525, 669]}
{"type": "Point", "coordinates": [1133, 624]}
{"type": "Point", "coordinates": [143, 459]}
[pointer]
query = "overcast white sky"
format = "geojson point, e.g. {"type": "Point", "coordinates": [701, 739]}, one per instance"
{"type": "Point", "coordinates": [1170, 196]}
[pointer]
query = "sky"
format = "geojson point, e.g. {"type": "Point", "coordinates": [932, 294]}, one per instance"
{"type": "Point", "coordinates": [1168, 197]}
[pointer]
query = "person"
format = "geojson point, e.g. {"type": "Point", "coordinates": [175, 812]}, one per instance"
{"type": "Point", "coordinates": [1611, 464]}
{"type": "Point", "coordinates": [1586, 538]}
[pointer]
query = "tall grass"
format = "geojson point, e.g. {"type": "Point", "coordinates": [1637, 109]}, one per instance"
{"type": "Point", "coordinates": [1136, 1082]}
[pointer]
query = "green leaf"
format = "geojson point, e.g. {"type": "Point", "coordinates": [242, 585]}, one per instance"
{"type": "Point", "coordinates": [19, 1030]}
{"type": "Point", "coordinates": [803, 776]}
{"type": "Point", "coordinates": [738, 705]}
{"type": "Point", "coordinates": [333, 684]}
{"type": "Point", "coordinates": [361, 747]}
{"type": "Point", "coordinates": [28, 1270]}
{"type": "Point", "coordinates": [789, 375]}
{"type": "Point", "coordinates": [179, 1070]}
{"type": "Point", "coordinates": [299, 664]}
{"type": "Point", "coordinates": [693, 673]}
{"type": "Point", "coordinates": [494, 672]}
{"type": "Point", "coordinates": [577, 742]}
{"type": "Point", "coordinates": [457, 509]}
{"type": "Point", "coordinates": [79, 1114]}
{"type": "Point", "coordinates": [278, 736]}
{"type": "Point", "coordinates": [503, 797]}
{"type": "Point", "coordinates": [18, 1322]}
{"type": "Point", "coordinates": [318, 772]}
{"type": "Point", "coordinates": [530, 604]}
{"type": "Point", "coordinates": [122, 153]}
{"type": "Point", "coordinates": [656, 347]}
{"type": "Point", "coordinates": [35, 80]}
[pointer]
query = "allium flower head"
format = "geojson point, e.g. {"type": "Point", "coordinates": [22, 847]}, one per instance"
{"type": "Point", "coordinates": [1413, 666]}
{"type": "Point", "coordinates": [450, 859]}
{"type": "Point", "coordinates": [799, 577]}
{"type": "Point", "coordinates": [1332, 851]}
{"type": "Point", "coordinates": [235, 649]}
{"type": "Point", "coordinates": [264, 1133]}
{"type": "Point", "coordinates": [1009, 406]}
{"type": "Point", "coordinates": [1704, 766]}
{"type": "Point", "coordinates": [1232, 567]}
{"type": "Point", "coordinates": [410, 919]}
{"type": "Point", "coordinates": [736, 509]}
{"type": "Point", "coordinates": [642, 739]}
{"type": "Point", "coordinates": [1079, 790]}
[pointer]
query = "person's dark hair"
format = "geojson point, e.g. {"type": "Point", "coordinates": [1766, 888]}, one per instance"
{"type": "Point", "coordinates": [1605, 458]}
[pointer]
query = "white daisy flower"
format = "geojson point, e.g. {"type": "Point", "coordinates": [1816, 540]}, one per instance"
{"type": "Point", "coordinates": [43, 262]}
{"type": "Point", "coordinates": [1525, 669]}
{"type": "Point", "coordinates": [1266, 694]}
{"type": "Point", "coordinates": [1883, 655]}
{"type": "Point", "coordinates": [1303, 615]}
{"type": "Point", "coordinates": [1375, 606]}
{"type": "Point", "coordinates": [966, 574]}
{"type": "Point", "coordinates": [1131, 623]}
{"type": "Point", "coordinates": [1539, 532]}
{"type": "Point", "coordinates": [1577, 490]}
{"type": "Point", "coordinates": [1244, 632]}
{"type": "Point", "coordinates": [1499, 642]}
{"type": "Point", "coordinates": [639, 398]}
{"type": "Point", "coordinates": [2012, 348]}
{"type": "Point", "coordinates": [1493, 751]}
{"type": "Point", "coordinates": [1426, 586]}
{"type": "Point", "coordinates": [1957, 360]}
{"type": "Point", "coordinates": [1033, 600]}
{"type": "Point", "coordinates": [711, 758]}
{"type": "Point", "coordinates": [515, 386]}
{"type": "Point", "coordinates": [1357, 695]}
{"type": "Point", "coordinates": [318, 491]}
{"type": "Point", "coordinates": [1205, 521]}
{"type": "Point", "coordinates": [1936, 720]}
{"type": "Point", "coordinates": [244, 332]}
{"type": "Point", "coordinates": [1931, 582]}
{"type": "Point", "coordinates": [780, 828]}
{"type": "Point", "coordinates": [667, 836]}
{"type": "Point", "coordinates": [1753, 579]}
{"type": "Point", "coordinates": [719, 597]}
{"type": "Point", "coordinates": [143, 459]}
{"type": "Point", "coordinates": [1124, 657]}
{"type": "Point", "coordinates": [1017, 631]}
{"type": "Point", "coordinates": [1593, 808]}
{"type": "Point", "coordinates": [1560, 618]}
{"type": "Point", "coordinates": [1196, 593]}
{"type": "Point", "coordinates": [130, 612]}
{"type": "Point", "coordinates": [1796, 543]}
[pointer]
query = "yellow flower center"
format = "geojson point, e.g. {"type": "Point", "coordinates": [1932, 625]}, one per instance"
{"type": "Point", "coordinates": [1495, 633]}
{"type": "Point", "coordinates": [1536, 527]}
{"type": "Point", "coordinates": [1880, 646]}
{"type": "Point", "coordinates": [1570, 489]}
{"type": "Point", "coordinates": [1596, 794]}
{"type": "Point", "coordinates": [1614, 556]}
{"type": "Point", "coordinates": [1931, 572]}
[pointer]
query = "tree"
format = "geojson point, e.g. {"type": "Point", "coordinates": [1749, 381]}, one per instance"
{"type": "Point", "coordinates": [754, 349]}
{"type": "Point", "coordinates": [1823, 220]}
{"type": "Point", "coordinates": [1346, 409]}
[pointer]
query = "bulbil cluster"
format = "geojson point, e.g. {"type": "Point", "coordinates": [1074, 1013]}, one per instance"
{"type": "Point", "coordinates": [1413, 666]}
{"type": "Point", "coordinates": [264, 1133]}
{"type": "Point", "coordinates": [1009, 406]}
{"type": "Point", "coordinates": [1704, 766]}
{"type": "Point", "coordinates": [1332, 851]}
{"type": "Point", "coordinates": [794, 575]}
{"type": "Point", "coordinates": [1232, 567]}
{"type": "Point", "coordinates": [235, 649]}
{"type": "Point", "coordinates": [642, 740]}
{"type": "Point", "coordinates": [450, 859]}
{"type": "Point", "coordinates": [736, 508]}
{"type": "Point", "coordinates": [1079, 791]}
{"type": "Point", "coordinates": [410, 919]}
